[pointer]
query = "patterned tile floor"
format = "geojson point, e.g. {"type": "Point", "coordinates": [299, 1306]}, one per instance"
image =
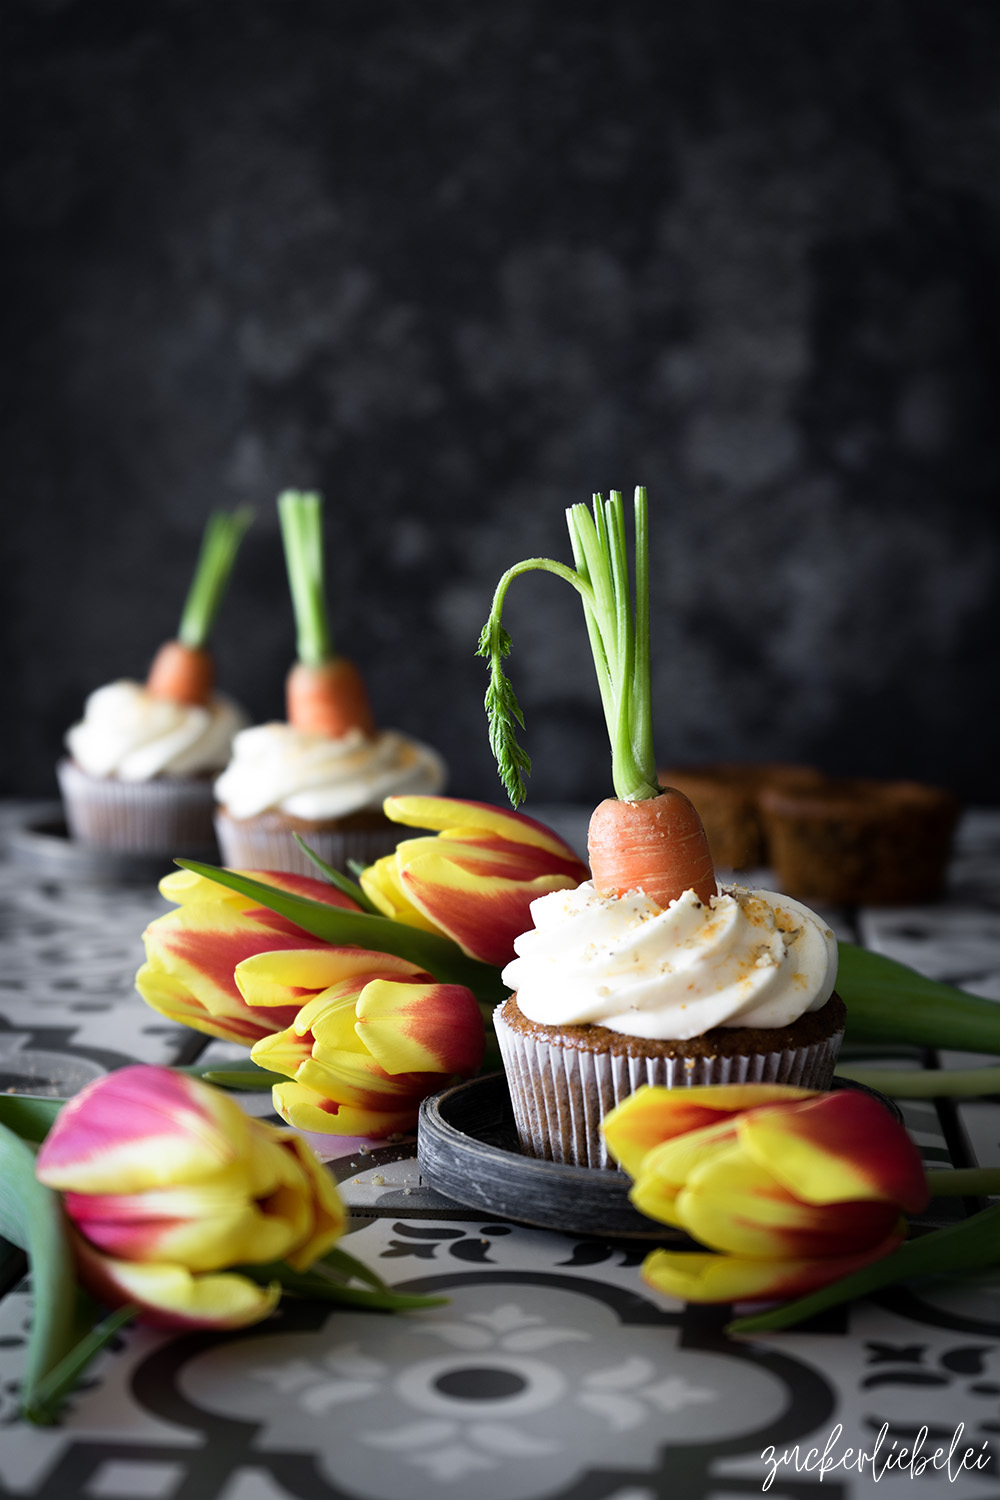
{"type": "Point", "coordinates": [552, 1372]}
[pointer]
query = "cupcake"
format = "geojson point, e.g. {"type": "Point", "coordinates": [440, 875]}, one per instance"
{"type": "Point", "coordinates": [323, 774]}
{"type": "Point", "coordinates": [647, 973]}
{"type": "Point", "coordinates": [862, 841]}
{"type": "Point", "coordinates": [138, 776]}
{"type": "Point", "coordinates": [283, 781]}
{"type": "Point", "coordinates": [612, 992]}
{"type": "Point", "coordinates": [727, 795]}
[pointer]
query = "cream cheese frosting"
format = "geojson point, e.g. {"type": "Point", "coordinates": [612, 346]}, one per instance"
{"type": "Point", "coordinates": [127, 732]}
{"type": "Point", "coordinates": [747, 958]}
{"type": "Point", "coordinates": [312, 776]}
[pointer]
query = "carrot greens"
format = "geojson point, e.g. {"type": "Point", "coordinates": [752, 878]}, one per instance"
{"type": "Point", "coordinates": [301, 516]}
{"type": "Point", "coordinates": [619, 643]}
{"type": "Point", "coordinates": [219, 546]}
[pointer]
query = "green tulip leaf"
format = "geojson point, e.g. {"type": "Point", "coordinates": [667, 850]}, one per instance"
{"type": "Point", "coordinates": [343, 883]}
{"type": "Point", "coordinates": [320, 1284]}
{"type": "Point", "coordinates": [247, 1076]}
{"type": "Point", "coordinates": [52, 1389]}
{"type": "Point", "coordinates": [28, 1115]}
{"type": "Point", "coordinates": [890, 1002]}
{"type": "Point", "coordinates": [31, 1217]}
{"type": "Point", "coordinates": [973, 1245]}
{"type": "Point", "coordinates": [438, 955]}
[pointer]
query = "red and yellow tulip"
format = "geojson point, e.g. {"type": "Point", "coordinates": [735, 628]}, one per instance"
{"type": "Point", "coordinates": [475, 878]}
{"type": "Point", "coordinates": [168, 1184]}
{"type": "Point", "coordinates": [373, 1035]}
{"type": "Point", "coordinates": [192, 953]}
{"type": "Point", "coordinates": [792, 1188]}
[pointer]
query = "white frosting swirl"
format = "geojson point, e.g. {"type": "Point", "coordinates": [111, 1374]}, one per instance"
{"type": "Point", "coordinates": [749, 958]}
{"type": "Point", "coordinates": [275, 766]}
{"type": "Point", "coordinates": [126, 732]}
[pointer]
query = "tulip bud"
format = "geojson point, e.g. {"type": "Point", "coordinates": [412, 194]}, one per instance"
{"type": "Point", "coordinates": [191, 953]}
{"type": "Point", "coordinates": [794, 1189]}
{"type": "Point", "coordinates": [476, 879]}
{"type": "Point", "coordinates": [375, 1038]}
{"type": "Point", "coordinates": [168, 1184]}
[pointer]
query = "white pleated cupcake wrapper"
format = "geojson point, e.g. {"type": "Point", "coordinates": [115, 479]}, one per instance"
{"type": "Point", "coordinates": [171, 815]}
{"type": "Point", "coordinates": [250, 846]}
{"type": "Point", "coordinates": [561, 1095]}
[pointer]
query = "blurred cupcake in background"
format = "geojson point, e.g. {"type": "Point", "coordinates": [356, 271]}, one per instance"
{"type": "Point", "coordinates": [142, 760]}
{"type": "Point", "coordinates": [324, 773]}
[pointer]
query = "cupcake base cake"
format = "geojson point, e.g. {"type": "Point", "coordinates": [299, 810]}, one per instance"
{"type": "Point", "coordinates": [563, 1080]}
{"type": "Point", "coordinates": [267, 841]}
{"type": "Point", "coordinates": [169, 815]}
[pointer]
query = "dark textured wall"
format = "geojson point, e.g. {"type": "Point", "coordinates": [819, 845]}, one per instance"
{"type": "Point", "coordinates": [460, 265]}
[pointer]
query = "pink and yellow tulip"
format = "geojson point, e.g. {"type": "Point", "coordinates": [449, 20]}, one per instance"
{"type": "Point", "coordinates": [373, 1035]}
{"type": "Point", "coordinates": [192, 953]}
{"type": "Point", "coordinates": [475, 878]}
{"type": "Point", "coordinates": [168, 1184]}
{"type": "Point", "coordinates": [794, 1189]}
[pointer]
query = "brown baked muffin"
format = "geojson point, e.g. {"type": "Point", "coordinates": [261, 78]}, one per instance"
{"type": "Point", "coordinates": [727, 795]}
{"type": "Point", "coordinates": [864, 842]}
{"type": "Point", "coordinates": [563, 1080]}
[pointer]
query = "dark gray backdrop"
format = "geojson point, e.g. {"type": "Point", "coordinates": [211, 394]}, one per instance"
{"type": "Point", "coordinates": [458, 265]}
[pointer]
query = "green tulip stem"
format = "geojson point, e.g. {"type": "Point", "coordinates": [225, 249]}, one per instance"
{"type": "Point", "coordinates": [973, 1245]}
{"type": "Point", "coordinates": [926, 1083]}
{"type": "Point", "coordinates": [219, 546]}
{"type": "Point", "coordinates": [965, 1182]}
{"type": "Point", "coordinates": [619, 643]}
{"type": "Point", "coordinates": [437, 955]}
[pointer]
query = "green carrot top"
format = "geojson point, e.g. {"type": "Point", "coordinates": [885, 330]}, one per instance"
{"type": "Point", "coordinates": [619, 643]}
{"type": "Point", "coordinates": [219, 545]}
{"type": "Point", "coordinates": [301, 515]}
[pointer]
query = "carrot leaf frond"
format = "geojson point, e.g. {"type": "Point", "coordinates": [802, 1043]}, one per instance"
{"type": "Point", "coordinates": [503, 711]}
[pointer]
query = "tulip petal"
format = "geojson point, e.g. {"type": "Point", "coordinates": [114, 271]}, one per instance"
{"type": "Point", "coordinates": [356, 1079]}
{"type": "Point", "coordinates": [307, 1109]}
{"type": "Point", "coordinates": [170, 1297]}
{"type": "Point", "coordinates": [654, 1114]}
{"type": "Point", "coordinates": [138, 1128]}
{"type": "Point", "coordinates": [838, 1146]}
{"type": "Point", "coordinates": [382, 885]}
{"type": "Point", "coordinates": [694, 1277]}
{"type": "Point", "coordinates": [174, 1000]}
{"type": "Point", "coordinates": [664, 1171]}
{"type": "Point", "coordinates": [196, 949]}
{"type": "Point", "coordinates": [205, 1228]}
{"type": "Point", "coordinates": [284, 1052]}
{"type": "Point", "coordinates": [286, 978]}
{"type": "Point", "coordinates": [731, 1203]}
{"type": "Point", "coordinates": [185, 886]}
{"type": "Point", "coordinates": [482, 913]}
{"type": "Point", "coordinates": [329, 1216]}
{"type": "Point", "coordinates": [421, 1027]}
{"type": "Point", "coordinates": [448, 814]}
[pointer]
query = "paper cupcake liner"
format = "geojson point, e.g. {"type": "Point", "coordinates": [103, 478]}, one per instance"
{"type": "Point", "coordinates": [560, 1095]}
{"type": "Point", "coordinates": [255, 845]}
{"type": "Point", "coordinates": [169, 815]}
